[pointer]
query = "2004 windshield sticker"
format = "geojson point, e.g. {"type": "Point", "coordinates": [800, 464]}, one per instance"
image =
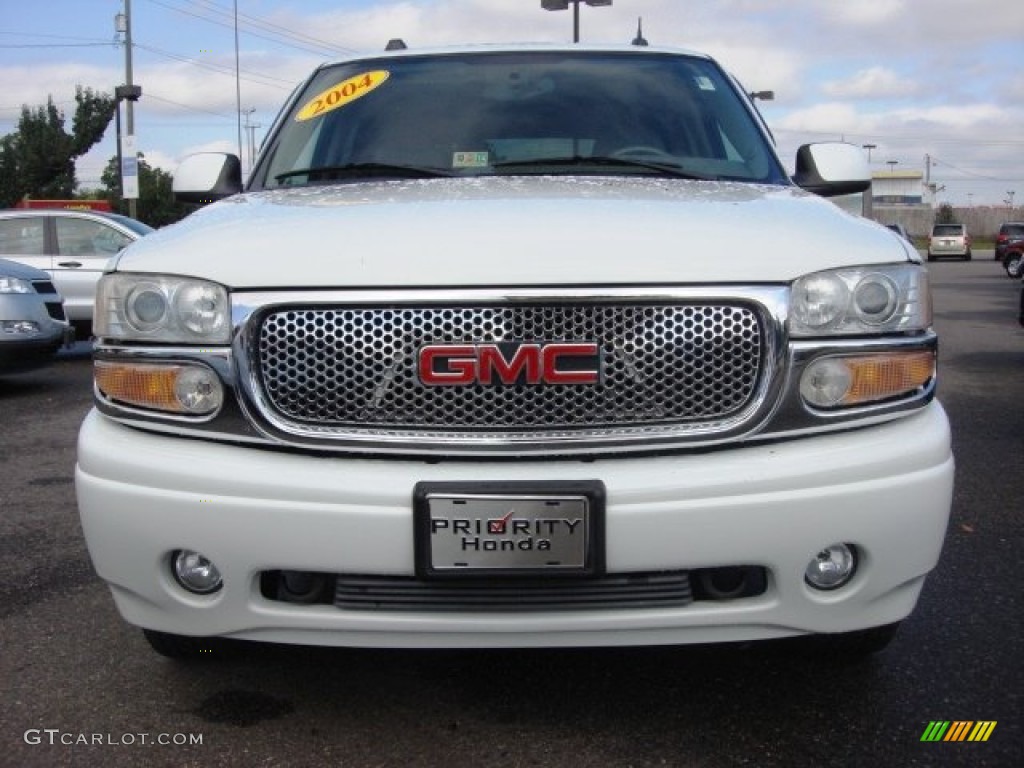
{"type": "Point", "coordinates": [341, 94]}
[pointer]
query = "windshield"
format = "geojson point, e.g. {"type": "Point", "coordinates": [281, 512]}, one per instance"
{"type": "Point", "coordinates": [518, 113]}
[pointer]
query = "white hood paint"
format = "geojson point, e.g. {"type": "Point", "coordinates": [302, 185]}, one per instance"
{"type": "Point", "coordinates": [518, 231]}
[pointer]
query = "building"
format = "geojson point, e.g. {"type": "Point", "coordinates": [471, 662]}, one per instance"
{"type": "Point", "coordinates": [898, 188]}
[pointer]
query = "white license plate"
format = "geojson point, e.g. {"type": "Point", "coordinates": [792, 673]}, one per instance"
{"type": "Point", "coordinates": [492, 529]}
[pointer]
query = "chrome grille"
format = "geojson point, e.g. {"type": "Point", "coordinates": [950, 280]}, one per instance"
{"type": "Point", "coordinates": [348, 367]}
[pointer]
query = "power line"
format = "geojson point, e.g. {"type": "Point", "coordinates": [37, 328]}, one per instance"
{"type": "Point", "coordinates": [54, 45]}
{"type": "Point", "coordinates": [943, 163]}
{"type": "Point", "coordinates": [150, 95]}
{"type": "Point", "coordinates": [289, 38]}
{"type": "Point", "coordinates": [55, 37]}
{"type": "Point", "coordinates": [288, 84]}
{"type": "Point", "coordinates": [270, 26]}
{"type": "Point", "coordinates": [901, 138]}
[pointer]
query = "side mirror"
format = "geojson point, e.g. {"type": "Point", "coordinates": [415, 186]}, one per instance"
{"type": "Point", "coordinates": [206, 177]}
{"type": "Point", "coordinates": [832, 168]}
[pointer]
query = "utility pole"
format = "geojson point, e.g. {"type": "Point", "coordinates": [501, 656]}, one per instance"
{"type": "Point", "coordinates": [238, 87]}
{"type": "Point", "coordinates": [130, 116]}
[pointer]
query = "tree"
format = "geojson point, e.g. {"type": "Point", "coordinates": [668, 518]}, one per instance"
{"type": "Point", "coordinates": [38, 159]}
{"type": "Point", "coordinates": [945, 215]}
{"type": "Point", "coordinates": [156, 205]}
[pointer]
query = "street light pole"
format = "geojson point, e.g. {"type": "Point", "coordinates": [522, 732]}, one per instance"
{"type": "Point", "coordinates": [867, 204]}
{"type": "Point", "coordinates": [562, 5]}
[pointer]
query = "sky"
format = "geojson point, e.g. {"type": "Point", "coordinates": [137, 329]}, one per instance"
{"type": "Point", "coordinates": [936, 86]}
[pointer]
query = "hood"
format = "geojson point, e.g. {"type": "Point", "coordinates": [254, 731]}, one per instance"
{"type": "Point", "coordinates": [513, 231]}
{"type": "Point", "coordinates": [21, 271]}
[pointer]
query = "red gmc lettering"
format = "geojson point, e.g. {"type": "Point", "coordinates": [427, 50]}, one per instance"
{"type": "Point", "coordinates": [530, 363]}
{"type": "Point", "coordinates": [526, 357]}
{"type": "Point", "coordinates": [459, 364]}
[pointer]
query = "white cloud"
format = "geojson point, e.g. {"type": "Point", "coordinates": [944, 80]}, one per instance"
{"type": "Point", "coordinates": [870, 13]}
{"type": "Point", "coordinates": [871, 83]}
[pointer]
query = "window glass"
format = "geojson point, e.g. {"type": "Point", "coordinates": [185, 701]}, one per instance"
{"type": "Point", "coordinates": [493, 114]}
{"type": "Point", "coordinates": [22, 236]}
{"type": "Point", "coordinates": [82, 237]}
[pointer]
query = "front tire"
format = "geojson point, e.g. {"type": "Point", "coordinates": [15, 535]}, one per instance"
{"type": "Point", "coordinates": [1013, 263]}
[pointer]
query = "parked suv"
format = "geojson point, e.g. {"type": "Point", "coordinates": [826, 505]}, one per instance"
{"type": "Point", "coordinates": [73, 247]}
{"type": "Point", "coordinates": [1010, 247]}
{"type": "Point", "coordinates": [466, 363]}
{"type": "Point", "coordinates": [949, 240]}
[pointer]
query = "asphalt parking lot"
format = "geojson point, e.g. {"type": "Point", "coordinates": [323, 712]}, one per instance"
{"type": "Point", "coordinates": [81, 688]}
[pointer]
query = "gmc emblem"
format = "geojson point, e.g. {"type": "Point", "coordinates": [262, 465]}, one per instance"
{"type": "Point", "coordinates": [514, 362]}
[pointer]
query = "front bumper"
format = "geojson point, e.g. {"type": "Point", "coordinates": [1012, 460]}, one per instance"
{"type": "Point", "coordinates": [886, 489]}
{"type": "Point", "coordinates": [34, 351]}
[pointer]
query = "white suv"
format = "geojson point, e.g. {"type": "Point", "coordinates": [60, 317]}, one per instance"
{"type": "Point", "coordinates": [467, 364]}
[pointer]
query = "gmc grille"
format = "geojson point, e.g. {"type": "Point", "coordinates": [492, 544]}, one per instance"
{"type": "Point", "coordinates": [326, 370]}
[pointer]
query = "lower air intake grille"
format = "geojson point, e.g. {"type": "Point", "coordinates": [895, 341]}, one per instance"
{"type": "Point", "coordinates": [652, 590]}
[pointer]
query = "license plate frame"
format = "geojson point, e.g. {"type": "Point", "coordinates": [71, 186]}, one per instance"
{"type": "Point", "coordinates": [514, 528]}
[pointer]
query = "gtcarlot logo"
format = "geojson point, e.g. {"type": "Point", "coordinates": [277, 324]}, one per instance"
{"type": "Point", "coordinates": [55, 737]}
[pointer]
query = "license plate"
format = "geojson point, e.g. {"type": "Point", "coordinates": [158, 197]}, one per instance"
{"type": "Point", "coordinates": [509, 528]}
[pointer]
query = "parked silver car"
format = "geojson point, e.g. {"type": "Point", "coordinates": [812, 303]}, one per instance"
{"type": "Point", "coordinates": [32, 322]}
{"type": "Point", "coordinates": [73, 247]}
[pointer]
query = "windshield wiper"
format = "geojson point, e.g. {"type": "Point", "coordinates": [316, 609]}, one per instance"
{"type": "Point", "coordinates": [356, 170]}
{"type": "Point", "coordinates": [598, 161]}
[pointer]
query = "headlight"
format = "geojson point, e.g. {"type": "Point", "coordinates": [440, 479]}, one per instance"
{"type": "Point", "coordinates": [14, 285]}
{"type": "Point", "coordinates": [861, 300]}
{"type": "Point", "coordinates": [162, 308]}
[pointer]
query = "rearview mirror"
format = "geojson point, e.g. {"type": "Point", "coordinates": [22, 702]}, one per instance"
{"type": "Point", "coordinates": [832, 168]}
{"type": "Point", "coordinates": [206, 177]}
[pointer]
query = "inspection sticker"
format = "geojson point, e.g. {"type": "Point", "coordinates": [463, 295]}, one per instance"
{"type": "Point", "coordinates": [470, 159]}
{"type": "Point", "coordinates": [341, 94]}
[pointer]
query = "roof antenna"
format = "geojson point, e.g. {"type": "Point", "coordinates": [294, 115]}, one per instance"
{"type": "Point", "coordinates": [395, 44]}
{"type": "Point", "coordinates": [639, 39]}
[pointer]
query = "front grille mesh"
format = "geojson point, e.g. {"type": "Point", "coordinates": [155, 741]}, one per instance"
{"type": "Point", "coordinates": [660, 364]}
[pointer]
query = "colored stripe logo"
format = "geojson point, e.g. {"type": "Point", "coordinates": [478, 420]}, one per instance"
{"type": "Point", "coordinates": [958, 730]}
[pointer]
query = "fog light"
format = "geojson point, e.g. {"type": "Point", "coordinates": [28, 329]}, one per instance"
{"type": "Point", "coordinates": [20, 327]}
{"type": "Point", "coordinates": [195, 572]}
{"type": "Point", "coordinates": [832, 567]}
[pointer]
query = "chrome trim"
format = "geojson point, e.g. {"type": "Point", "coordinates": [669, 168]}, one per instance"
{"type": "Point", "coordinates": [777, 411]}
{"type": "Point", "coordinates": [768, 303]}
